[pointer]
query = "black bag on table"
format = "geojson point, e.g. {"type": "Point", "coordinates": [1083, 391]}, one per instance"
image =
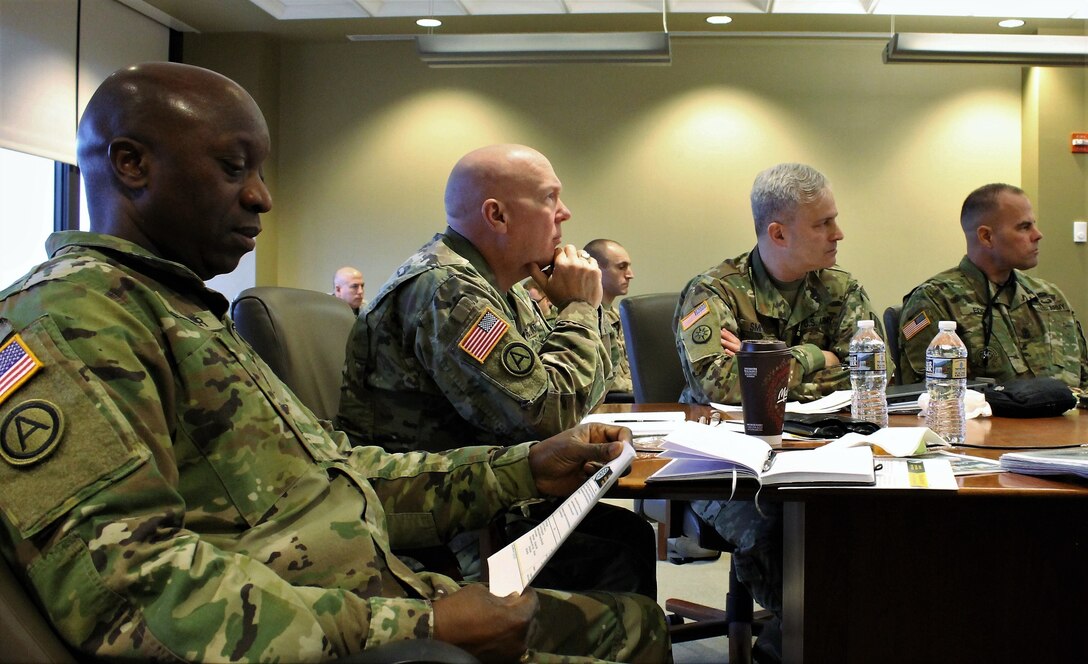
{"type": "Point", "coordinates": [1030, 397]}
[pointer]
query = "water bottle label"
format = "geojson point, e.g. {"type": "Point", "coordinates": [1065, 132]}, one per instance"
{"type": "Point", "coordinates": [867, 361]}
{"type": "Point", "coordinates": [946, 367]}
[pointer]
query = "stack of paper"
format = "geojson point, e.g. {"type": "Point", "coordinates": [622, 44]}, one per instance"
{"type": "Point", "coordinates": [1070, 461]}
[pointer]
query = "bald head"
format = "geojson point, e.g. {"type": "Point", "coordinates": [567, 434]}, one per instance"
{"type": "Point", "coordinates": [348, 285]}
{"type": "Point", "coordinates": [172, 158]}
{"type": "Point", "coordinates": [505, 200]}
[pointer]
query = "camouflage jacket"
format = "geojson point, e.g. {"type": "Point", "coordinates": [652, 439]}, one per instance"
{"type": "Point", "coordinates": [1034, 331]}
{"type": "Point", "coordinates": [167, 497]}
{"type": "Point", "coordinates": [622, 381]}
{"type": "Point", "coordinates": [442, 357]}
{"type": "Point", "coordinates": [740, 296]}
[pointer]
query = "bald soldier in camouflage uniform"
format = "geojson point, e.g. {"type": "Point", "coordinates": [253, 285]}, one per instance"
{"type": "Point", "coordinates": [1013, 325]}
{"type": "Point", "coordinates": [786, 288]}
{"type": "Point", "coordinates": [616, 276]}
{"type": "Point", "coordinates": [453, 349]}
{"type": "Point", "coordinates": [166, 497]}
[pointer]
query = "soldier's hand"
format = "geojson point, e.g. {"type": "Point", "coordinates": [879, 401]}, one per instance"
{"type": "Point", "coordinates": [494, 629]}
{"type": "Point", "coordinates": [563, 462]}
{"type": "Point", "coordinates": [830, 359]}
{"type": "Point", "coordinates": [730, 342]}
{"type": "Point", "coordinates": [575, 277]}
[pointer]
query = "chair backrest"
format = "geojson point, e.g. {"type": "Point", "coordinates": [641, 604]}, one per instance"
{"type": "Point", "coordinates": [302, 335]}
{"type": "Point", "coordinates": [891, 334]}
{"type": "Point", "coordinates": [651, 347]}
{"type": "Point", "coordinates": [25, 633]}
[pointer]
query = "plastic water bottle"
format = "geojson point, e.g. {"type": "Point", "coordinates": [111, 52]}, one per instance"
{"type": "Point", "coordinates": [868, 375]}
{"type": "Point", "coordinates": [946, 383]}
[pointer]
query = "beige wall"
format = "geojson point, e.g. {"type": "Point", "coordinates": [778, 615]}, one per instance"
{"type": "Point", "coordinates": [659, 158]}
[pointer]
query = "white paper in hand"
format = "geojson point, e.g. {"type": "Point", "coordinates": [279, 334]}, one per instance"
{"type": "Point", "coordinates": [514, 566]}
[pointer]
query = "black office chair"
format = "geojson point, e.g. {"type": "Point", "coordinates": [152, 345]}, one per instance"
{"type": "Point", "coordinates": [302, 335]}
{"type": "Point", "coordinates": [658, 378]}
{"type": "Point", "coordinates": [891, 334]}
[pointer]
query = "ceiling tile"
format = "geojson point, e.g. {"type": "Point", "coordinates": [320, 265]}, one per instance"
{"type": "Point", "coordinates": [484, 7]}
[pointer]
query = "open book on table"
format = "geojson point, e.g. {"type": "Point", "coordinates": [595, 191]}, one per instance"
{"type": "Point", "coordinates": [697, 451]}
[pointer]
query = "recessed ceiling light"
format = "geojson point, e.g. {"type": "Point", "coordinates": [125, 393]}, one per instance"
{"type": "Point", "coordinates": [429, 23]}
{"type": "Point", "coordinates": [718, 20]}
{"type": "Point", "coordinates": [1011, 23]}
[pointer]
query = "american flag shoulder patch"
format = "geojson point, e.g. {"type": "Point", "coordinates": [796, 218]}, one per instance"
{"type": "Point", "coordinates": [916, 325]}
{"type": "Point", "coordinates": [694, 315]}
{"type": "Point", "coordinates": [484, 334]}
{"type": "Point", "coordinates": [17, 365]}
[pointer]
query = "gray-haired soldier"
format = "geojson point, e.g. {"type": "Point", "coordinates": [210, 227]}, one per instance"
{"type": "Point", "coordinates": [786, 288]}
{"type": "Point", "coordinates": [166, 497]}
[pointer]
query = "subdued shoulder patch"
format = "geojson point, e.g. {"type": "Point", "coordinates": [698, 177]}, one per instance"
{"type": "Point", "coordinates": [518, 358]}
{"type": "Point", "coordinates": [916, 325]}
{"type": "Point", "coordinates": [484, 335]}
{"type": "Point", "coordinates": [693, 316]}
{"type": "Point", "coordinates": [701, 335]}
{"type": "Point", "coordinates": [17, 365]}
{"type": "Point", "coordinates": [30, 432]}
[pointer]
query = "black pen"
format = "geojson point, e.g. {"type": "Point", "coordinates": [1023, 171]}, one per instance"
{"type": "Point", "coordinates": [769, 462]}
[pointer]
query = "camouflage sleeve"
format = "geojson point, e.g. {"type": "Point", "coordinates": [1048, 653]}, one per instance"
{"type": "Point", "coordinates": [811, 379]}
{"type": "Point", "coordinates": [711, 374]}
{"type": "Point", "coordinates": [101, 530]}
{"type": "Point", "coordinates": [495, 379]}
{"type": "Point", "coordinates": [922, 309]}
{"type": "Point", "coordinates": [429, 497]}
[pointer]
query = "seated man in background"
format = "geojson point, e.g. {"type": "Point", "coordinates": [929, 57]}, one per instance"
{"type": "Point", "coordinates": [348, 285]}
{"type": "Point", "coordinates": [452, 350]}
{"type": "Point", "coordinates": [786, 288]}
{"type": "Point", "coordinates": [1013, 325]}
{"type": "Point", "coordinates": [173, 500]}
{"type": "Point", "coordinates": [616, 276]}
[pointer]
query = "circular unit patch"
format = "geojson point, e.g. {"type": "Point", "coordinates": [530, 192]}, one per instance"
{"type": "Point", "coordinates": [518, 359]}
{"type": "Point", "coordinates": [701, 334]}
{"type": "Point", "coordinates": [30, 432]}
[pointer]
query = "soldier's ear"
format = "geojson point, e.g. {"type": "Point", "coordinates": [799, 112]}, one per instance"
{"type": "Point", "coordinates": [130, 160]}
{"type": "Point", "coordinates": [494, 216]}
{"type": "Point", "coordinates": [985, 236]}
{"type": "Point", "coordinates": [776, 233]}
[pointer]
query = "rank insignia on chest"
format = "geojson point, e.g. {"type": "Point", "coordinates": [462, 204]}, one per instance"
{"type": "Point", "coordinates": [484, 334]}
{"type": "Point", "coordinates": [694, 315]}
{"type": "Point", "coordinates": [17, 365]}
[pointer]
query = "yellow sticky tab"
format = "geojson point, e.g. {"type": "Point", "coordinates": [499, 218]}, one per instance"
{"type": "Point", "coordinates": [17, 365]}
{"type": "Point", "coordinates": [916, 474]}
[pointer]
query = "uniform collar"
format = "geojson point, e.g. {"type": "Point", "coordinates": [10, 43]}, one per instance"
{"type": "Point", "coordinates": [464, 248]}
{"type": "Point", "coordinates": [175, 275]}
{"type": "Point", "coordinates": [769, 302]}
{"type": "Point", "coordinates": [1019, 294]}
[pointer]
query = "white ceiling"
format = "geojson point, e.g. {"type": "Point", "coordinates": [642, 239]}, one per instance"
{"type": "Point", "coordinates": [335, 9]}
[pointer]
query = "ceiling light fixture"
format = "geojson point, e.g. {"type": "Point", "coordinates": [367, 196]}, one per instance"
{"type": "Point", "coordinates": [719, 20]}
{"type": "Point", "coordinates": [1068, 50]}
{"type": "Point", "coordinates": [1011, 23]}
{"type": "Point", "coordinates": [429, 23]}
{"type": "Point", "coordinates": [544, 48]}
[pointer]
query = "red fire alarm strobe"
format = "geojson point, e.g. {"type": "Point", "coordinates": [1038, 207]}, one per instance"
{"type": "Point", "coordinates": [1079, 142]}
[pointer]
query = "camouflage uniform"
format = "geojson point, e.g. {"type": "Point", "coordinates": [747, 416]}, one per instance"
{"type": "Point", "coordinates": [411, 383]}
{"type": "Point", "coordinates": [1034, 331]}
{"type": "Point", "coordinates": [165, 496]}
{"type": "Point", "coordinates": [739, 295]}
{"type": "Point", "coordinates": [622, 381]}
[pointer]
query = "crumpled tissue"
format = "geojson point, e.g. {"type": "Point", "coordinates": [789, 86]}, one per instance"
{"type": "Point", "coordinates": [974, 403]}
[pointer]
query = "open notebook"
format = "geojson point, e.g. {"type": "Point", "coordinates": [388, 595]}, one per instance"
{"type": "Point", "coordinates": [697, 451]}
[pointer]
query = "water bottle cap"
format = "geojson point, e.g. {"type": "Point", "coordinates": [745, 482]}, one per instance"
{"type": "Point", "coordinates": [865, 324]}
{"type": "Point", "coordinates": [947, 325]}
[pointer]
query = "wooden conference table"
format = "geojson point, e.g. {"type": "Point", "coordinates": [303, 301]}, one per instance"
{"type": "Point", "coordinates": [994, 572]}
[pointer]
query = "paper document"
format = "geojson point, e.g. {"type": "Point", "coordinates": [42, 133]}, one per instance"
{"type": "Point", "coordinates": [514, 566]}
{"type": "Point", "coordinates": [915, 474]}
{"type": "Point", "coordinates": [641, 424]}
{"type": "Point", "coordinates": [832, 403]}
{"type": "Point", "coordinates": [896, 441]}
